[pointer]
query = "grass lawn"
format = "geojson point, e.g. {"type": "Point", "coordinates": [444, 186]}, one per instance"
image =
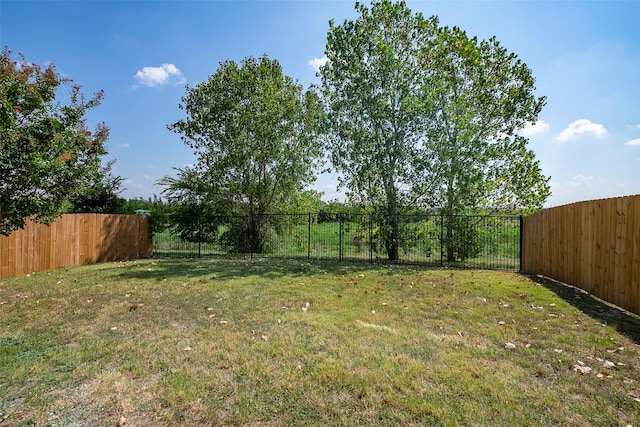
{"type": "Point", "coordinates": [277, 342]}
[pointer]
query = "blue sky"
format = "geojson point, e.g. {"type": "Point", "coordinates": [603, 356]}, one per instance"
{"type": "Point", "coordinates": [585, 56]}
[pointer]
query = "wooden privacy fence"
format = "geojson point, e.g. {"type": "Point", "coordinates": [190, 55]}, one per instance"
{"type": "Point", "coordinates": [72, 240]}
{"type": "Point", "coordinates": [593, 245]}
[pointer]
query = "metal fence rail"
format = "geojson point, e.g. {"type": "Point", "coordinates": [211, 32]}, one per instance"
{"type": "Point", "coordinates": [491, 242]}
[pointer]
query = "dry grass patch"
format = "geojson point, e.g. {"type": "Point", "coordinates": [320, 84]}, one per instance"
{"type": "Point", "coordinates": [276, 343]}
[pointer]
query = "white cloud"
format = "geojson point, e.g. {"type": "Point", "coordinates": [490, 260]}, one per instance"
{"type": "Point", "coordinates": [534, 128]}
{"type": "Point", "coordinates": [125, 145]}
{"type": "Point", "coordinates": [316, 63]}
{"type": "Point", "coordinates": [634, 142]}
{"type": "Point", "coordinates": [582, 127]}
{"type": "Point", "coordinates": [580, 181]}
{"type": "Point", "coordinates": [159, 76]}
{"type": "Point", "coordinates": [131, 183]}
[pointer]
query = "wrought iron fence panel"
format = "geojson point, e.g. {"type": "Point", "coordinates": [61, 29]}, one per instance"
{"type": "Point", "coordinates": [463, 241]}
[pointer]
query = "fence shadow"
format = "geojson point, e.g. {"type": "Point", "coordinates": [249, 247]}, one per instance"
{"type": "Point", "coordinates": [626, 323]}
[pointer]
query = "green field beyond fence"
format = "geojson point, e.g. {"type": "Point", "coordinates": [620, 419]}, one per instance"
{"type": "Point", "coordinates": [476, 241]}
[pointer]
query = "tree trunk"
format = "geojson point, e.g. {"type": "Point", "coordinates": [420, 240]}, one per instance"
{"type": "Point", "coordinates": [392, 243]}
{"type": "Point", "coordinates": [451, 256]}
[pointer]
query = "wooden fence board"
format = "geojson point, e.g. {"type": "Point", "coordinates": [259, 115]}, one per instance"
{"type": "Point", "coordinates": [594, 245]}
{"type": "Point", "coordinates": [634, 251]}
{"type": "Point", "coordinates": [73, 240]}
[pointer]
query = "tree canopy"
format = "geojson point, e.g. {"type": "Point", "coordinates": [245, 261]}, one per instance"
{"type": "Point", "coordinates": [101, 194]}
{"type": "Point", "coordinates": [480, 95]}
{"type": "Point", "coordinates": [255, 135]}
{"type": "Point", "coordinates": [423, 115]}
{"type": "Point", "coordinates": [47, 152]}
{"type": "Point", "coordinates": [372, 86]}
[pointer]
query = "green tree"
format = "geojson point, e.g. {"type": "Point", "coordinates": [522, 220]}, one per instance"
{"type": "Point", "coordinates": [422, 115]}
{"type": "Point", "coordinates": [101, 195]}
{"type": "Point", "coordinates": [480, 95]}
{"type": "Point", "coordinates": [255, 135]}
{"type": "Point", "coordinates": [47, 153]}
{"type": "Point", "coordinates": [196, 209]}
{"type": "Point", "coordinates": [373, 87]}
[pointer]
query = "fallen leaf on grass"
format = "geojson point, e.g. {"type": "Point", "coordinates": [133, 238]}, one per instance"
{"type": "Point", "coordinates": [121, 421]}
{"type": "Point", "coordinates": [635, 395]}
{"type": "Point", "coordinates": [509, 346]}
{"type": "Point", "coordinates": [223, 322]}
{"type": "Point", "coordinates": [264, 337]}
{"type": "Point", "coordinates": [135, 307]}
{"type": "Point", "coordinates": [187, 348]}
{"type": "Point", "coordinates": [581, 368]}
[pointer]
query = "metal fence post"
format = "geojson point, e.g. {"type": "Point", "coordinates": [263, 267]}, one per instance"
{"type": "Point", "coordinates": [309, 239]}
{"type": "Point", "coordinates": [199, 237]}
{"type": "Point", "coordinates": [521, 243]}
{"type": "Point", "coordinates": [249, 236]}
{"type": "Point", "coordinates": [441, 239]}
{"type": "Point", "coordinates": [370, 238]}
{"type": "Point", "coordinates": [340, 233]}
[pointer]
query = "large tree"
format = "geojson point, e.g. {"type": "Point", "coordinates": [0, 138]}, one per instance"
{"type": "Point", "coordinates": [423, 114]}
{"type": "Point", "coordinates": [373, 85]}
{"type": "Point", "coordinates": [47, 153]}
{"type": "Point", "coordinates": [480, 95]}
{"type": "Point", "coordinates": [255, 132]}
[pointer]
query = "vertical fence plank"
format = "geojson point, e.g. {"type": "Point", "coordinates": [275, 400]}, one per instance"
{"type": "Point", "coordinates": [610, 220]}
{"type": "Point", "coordinates": [619, 262]}
{"type": "Point", "coordinates": [635, 257]}
{"type": "Point", "coordinates": [627, 278]}
{"type": "Point", "coordinates": [4, 256]}
{"type": "Point", "coordinates": [16, 254]}
{"type": "Point", "coordinates": [587, 246]}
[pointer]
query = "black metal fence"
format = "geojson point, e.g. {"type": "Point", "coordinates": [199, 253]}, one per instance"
{"type": "Point", "coordinates": [491, 242]}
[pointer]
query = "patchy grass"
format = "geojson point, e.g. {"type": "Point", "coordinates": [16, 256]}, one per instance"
{"type": "Point", "coordinates": [276, 342]}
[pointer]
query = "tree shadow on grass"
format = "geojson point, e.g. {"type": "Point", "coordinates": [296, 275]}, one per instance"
{"type": "Point", "coordinates": [626, 323]}
{"type": "Point", "coordinates": [229, 267]}
{"type": "Point", "coordinates": [234, 266]}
